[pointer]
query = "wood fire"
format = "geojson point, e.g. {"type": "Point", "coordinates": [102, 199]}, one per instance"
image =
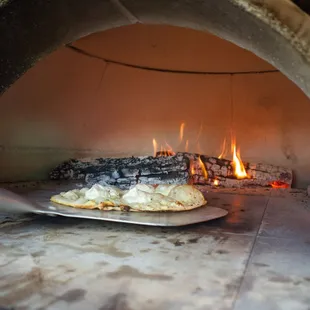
{"type": "Point", "coordinates": [203, 169]}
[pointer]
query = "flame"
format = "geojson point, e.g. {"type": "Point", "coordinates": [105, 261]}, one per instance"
{"type": "Point", "coordinates": [186, 146]}
{"type": "Point", "coordinates": [193, 170]}
{"type": "Point", "coordinates": [181, 131]}
{"type": "Point", "coordinates": [240, 172]}
{"type": "Point", "coordinates": [192, 167]}
{"type": "Point", "coordinates": [168, 151]}
{"type": "Point", "coordinates": [164, 151]}
{"type": "Point", "coordinates": [279, 184]}
{"type": "Point", "coordinates": [216, 182]}
{"type": "Point", "coordinates": [169, 148]}
{"type": "Point", "coordinates": [203, 167]}
{"type": "Point", "coordinates": [154, 147]}
{"type": "Point", "coordinates": [237, 163]}
{"type": "Point", "coordinates": [224, 151]}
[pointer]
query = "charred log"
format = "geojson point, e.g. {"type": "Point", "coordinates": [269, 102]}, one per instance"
{"type": "Point", "coordinates": [183, 168]}
{"type": "Point", "coordinates": [125, 172]}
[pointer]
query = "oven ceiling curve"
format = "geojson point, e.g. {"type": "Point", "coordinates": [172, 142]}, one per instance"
{"type": "Point", "coordinates": [275, 30]}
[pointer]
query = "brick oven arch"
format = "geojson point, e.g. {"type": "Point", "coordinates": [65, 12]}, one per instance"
{"type": "Point", "coordinates": [278, 31]}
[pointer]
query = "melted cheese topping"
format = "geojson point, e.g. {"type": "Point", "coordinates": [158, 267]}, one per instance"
{"type": "Point", "coordinates": [136, 195]}
{"type": "Point", "coordinates": [165, 189]}
{"type": "Point", "coordinates": [136, 198]}
{"type": "Point", "coordinates": [99, 192]}
{"type": "Point", "coordinates": [140, 197]}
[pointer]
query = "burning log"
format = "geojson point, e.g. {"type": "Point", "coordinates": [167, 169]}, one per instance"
{"type": "Point", "coordinates": [207, 170]}
{"type": "Point", "coordinates": [182, 168]}
{"type": "Point", "coordinates": [125, 172]}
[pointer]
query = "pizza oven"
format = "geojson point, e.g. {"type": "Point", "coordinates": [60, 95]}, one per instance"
{"type": "Point", "coordinates": [212, 86]}
{"type": "Point", "coordinates": [92, 88]}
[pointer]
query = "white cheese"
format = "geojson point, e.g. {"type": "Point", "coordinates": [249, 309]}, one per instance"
{"type": "Point", "coordinates": [135, 195]}
{"type": "Point", "coordinates": [145, 188]}
{"type": "Point", "coordinates": [164, 189]}
{"type": "Point", "coordinates": [70, 195]}
{"type": "Point", "coordinates": [135, 198]}
{"type": "Point", "coordinates": [99, 192]}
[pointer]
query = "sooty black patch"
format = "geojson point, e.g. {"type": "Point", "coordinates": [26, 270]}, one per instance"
{"type": "Point", "coordinates": [73, 295]}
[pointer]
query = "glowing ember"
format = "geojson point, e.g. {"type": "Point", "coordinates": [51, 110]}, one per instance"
{"type": "Point", "coordinates": [203, 168]}
{"type": "Point", "coordinates": [279, 184]}
{"type": "Point", "coordinates": [192, 167]}
{"type": "Point", "coordinates": [224, 151]}
{"type": "Point", "coordinates": [239, 169]}
{"type": "Point", "coordinates": [216, 182]}
{"type": "Point", "coordinates": [182, 132]}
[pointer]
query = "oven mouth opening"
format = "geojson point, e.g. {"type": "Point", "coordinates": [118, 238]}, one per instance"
{"type": "Point", "coordinates": [235, 87]}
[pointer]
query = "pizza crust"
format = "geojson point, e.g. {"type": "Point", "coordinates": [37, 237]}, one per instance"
{"type": "Point", "coordinates": [140, 198]}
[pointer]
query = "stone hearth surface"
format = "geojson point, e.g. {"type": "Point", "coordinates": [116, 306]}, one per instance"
{"type": "Point", "coordinates": [254, 258]}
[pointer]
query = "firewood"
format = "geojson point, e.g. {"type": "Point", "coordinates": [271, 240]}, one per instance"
{"type": "Point", "coordinates": [182, 168]}
{"type": "Point", "coordinates": [125, 172]}
{"type": "Point", "coordinates": [258, 174]}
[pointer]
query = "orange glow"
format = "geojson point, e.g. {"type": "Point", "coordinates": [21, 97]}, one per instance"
{"type": "Point", "coordinates": [192, 168]}
{"type": "Point", "coordinates": [186, 146]}
{"type": "Point", "coordinates": [182, 131]}
{"type": "Point", "coordinates": [224, 151]}
{"type": "Point", "coordinates": [168, 151]}
{"type": "Point", "coordinates": [192, 172]}
{"type": "Point", "coordinates": [216, 182]}
{"type": "Point", "coordinates": [239, 169]}
{"type": "Point", "coordinates": [169, 148]}
{"type": "Point", "coordinates": [279, 184]}
{"type": "Point", "coordinates": [204, 170]}
{"type": "Point", "coordinates": [154, 147]}
{"type": "Point", "coordinates": [165, 152]}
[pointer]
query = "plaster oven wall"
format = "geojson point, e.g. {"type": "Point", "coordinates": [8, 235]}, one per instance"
{"type": "Point", "coordinates": [72, 105]}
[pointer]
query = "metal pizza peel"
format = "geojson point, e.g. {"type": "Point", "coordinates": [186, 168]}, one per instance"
{"type": "Point", "coordinates": [38, 202]}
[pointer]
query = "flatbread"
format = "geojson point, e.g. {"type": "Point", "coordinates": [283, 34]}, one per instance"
{"type": "Point", "coordinates": [140, 198]}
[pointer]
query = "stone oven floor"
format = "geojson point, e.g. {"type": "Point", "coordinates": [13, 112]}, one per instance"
{"type": "Point", "coordinates": [255, 258]}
